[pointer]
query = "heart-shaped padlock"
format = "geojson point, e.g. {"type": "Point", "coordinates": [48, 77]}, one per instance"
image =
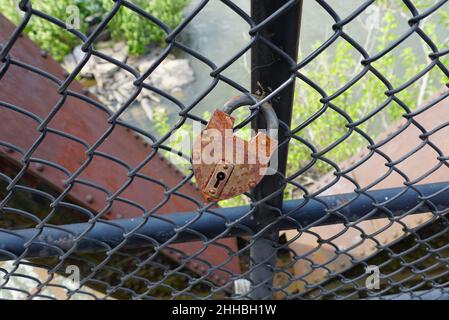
{"type": "Point", "coordinates": [225, 165]}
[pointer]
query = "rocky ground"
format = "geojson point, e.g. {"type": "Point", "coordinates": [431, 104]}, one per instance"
{"type": "Point", "coordinates": [114, 85]}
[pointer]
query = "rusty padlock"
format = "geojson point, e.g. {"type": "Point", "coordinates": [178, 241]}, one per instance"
{"type": "Point", "coordinates": [225, 165]}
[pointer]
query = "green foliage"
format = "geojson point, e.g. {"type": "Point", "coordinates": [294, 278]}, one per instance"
{"type": "Point", "coordinates": [335, 68]}
{"type": "Point", "coordinates": [127, 25]}
{"type": "Point", "coordinates": [48, 36]}
{"type": "Point", "coordinates": [160, 121]}
{"type": "Point", "coordinates": [139, 31]}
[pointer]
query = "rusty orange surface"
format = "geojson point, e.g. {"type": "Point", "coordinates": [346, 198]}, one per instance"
{"type": "Point", "coordinates": [38, 95]}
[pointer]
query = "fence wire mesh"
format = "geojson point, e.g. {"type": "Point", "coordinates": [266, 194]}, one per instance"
{"type": "Point", "coordinates": [140, 230]}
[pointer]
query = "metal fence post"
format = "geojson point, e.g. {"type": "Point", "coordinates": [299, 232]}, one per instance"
{"type": "Point", "coordinates": [270, 70]}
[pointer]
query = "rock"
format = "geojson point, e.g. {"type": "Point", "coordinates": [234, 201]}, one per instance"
{"type": "Point", "coordinates": [74, 58]}
{"type": "Point", "coordinates": [153, 96]}
{"type": "Point", "coordinates": [79, 55]}
{"type": "Point", "coordinates": [93, 90]}
{"type": "Point", "coordinates": [100, 45]}
{"type": "Point", "coordinates": [100, 83]}
{"type": "Point", "coordinates": [95, 65]}
{"type": "Point", "coordinates": [107, 51]}
{"type": "Point", "coordinates": [104, 35]}
{"type": "Point", "coordinates": [69, 62]}
{"type": "Point", "coordinates": [120, 76]}
{"type": "Point", "coordinates": [126, 89]}
{"type": "Point", "coordinates": [105, 70]}
{"type": "Point", "coordinates": [110, 48]}
{"type": "Point", "coordinates": [119, 97]}
{"type": "Point", "coordinates": [145, 93]}
{"type": "Point", "coordinates": [128, 85]}
{"type": "Point", "coordinates": [120, 51]}
{"type": "Point", "coordinates": [145, 65]}
{"type": "Point", "coordinates": [114, 86]}
{"type": "Point", "coordinates": [171, 74]}
{"type": "Point", "coordinates": [120, 46]}
{"type": "Point", "coordinates": [178, 93]}
{"type": "Point", "coordinates": [147, 108]}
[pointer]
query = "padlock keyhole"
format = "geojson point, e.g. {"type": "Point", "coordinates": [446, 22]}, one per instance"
{"type": "Point", "coordinates": [219, 177]}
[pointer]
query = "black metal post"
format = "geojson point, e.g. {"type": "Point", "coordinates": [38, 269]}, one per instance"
{"type": "Point", "coordinates": [270, 71]}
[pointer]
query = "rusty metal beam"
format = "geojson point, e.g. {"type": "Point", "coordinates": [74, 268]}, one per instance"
{"type": "Point", "coordinates": [25, 89]}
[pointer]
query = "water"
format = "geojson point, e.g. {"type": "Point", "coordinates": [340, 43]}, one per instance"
{"type": "Point", "coordinates": [218, 33]}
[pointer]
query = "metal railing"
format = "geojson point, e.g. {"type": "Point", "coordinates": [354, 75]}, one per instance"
{"type": "Point", "coordinates": [135, 256]}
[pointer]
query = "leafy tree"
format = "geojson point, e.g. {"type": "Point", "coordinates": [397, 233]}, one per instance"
{"type": "Point", "coordinates": [139, 31]}
{"type": "Point", "coordinates": [127, 25]}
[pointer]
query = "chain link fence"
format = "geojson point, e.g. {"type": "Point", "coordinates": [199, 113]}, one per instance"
{"type": "Point", "coordinates": [91, 207]}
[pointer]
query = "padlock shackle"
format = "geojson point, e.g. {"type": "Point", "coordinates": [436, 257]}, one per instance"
{"type": "Point", "coordinates": [266, 108]}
